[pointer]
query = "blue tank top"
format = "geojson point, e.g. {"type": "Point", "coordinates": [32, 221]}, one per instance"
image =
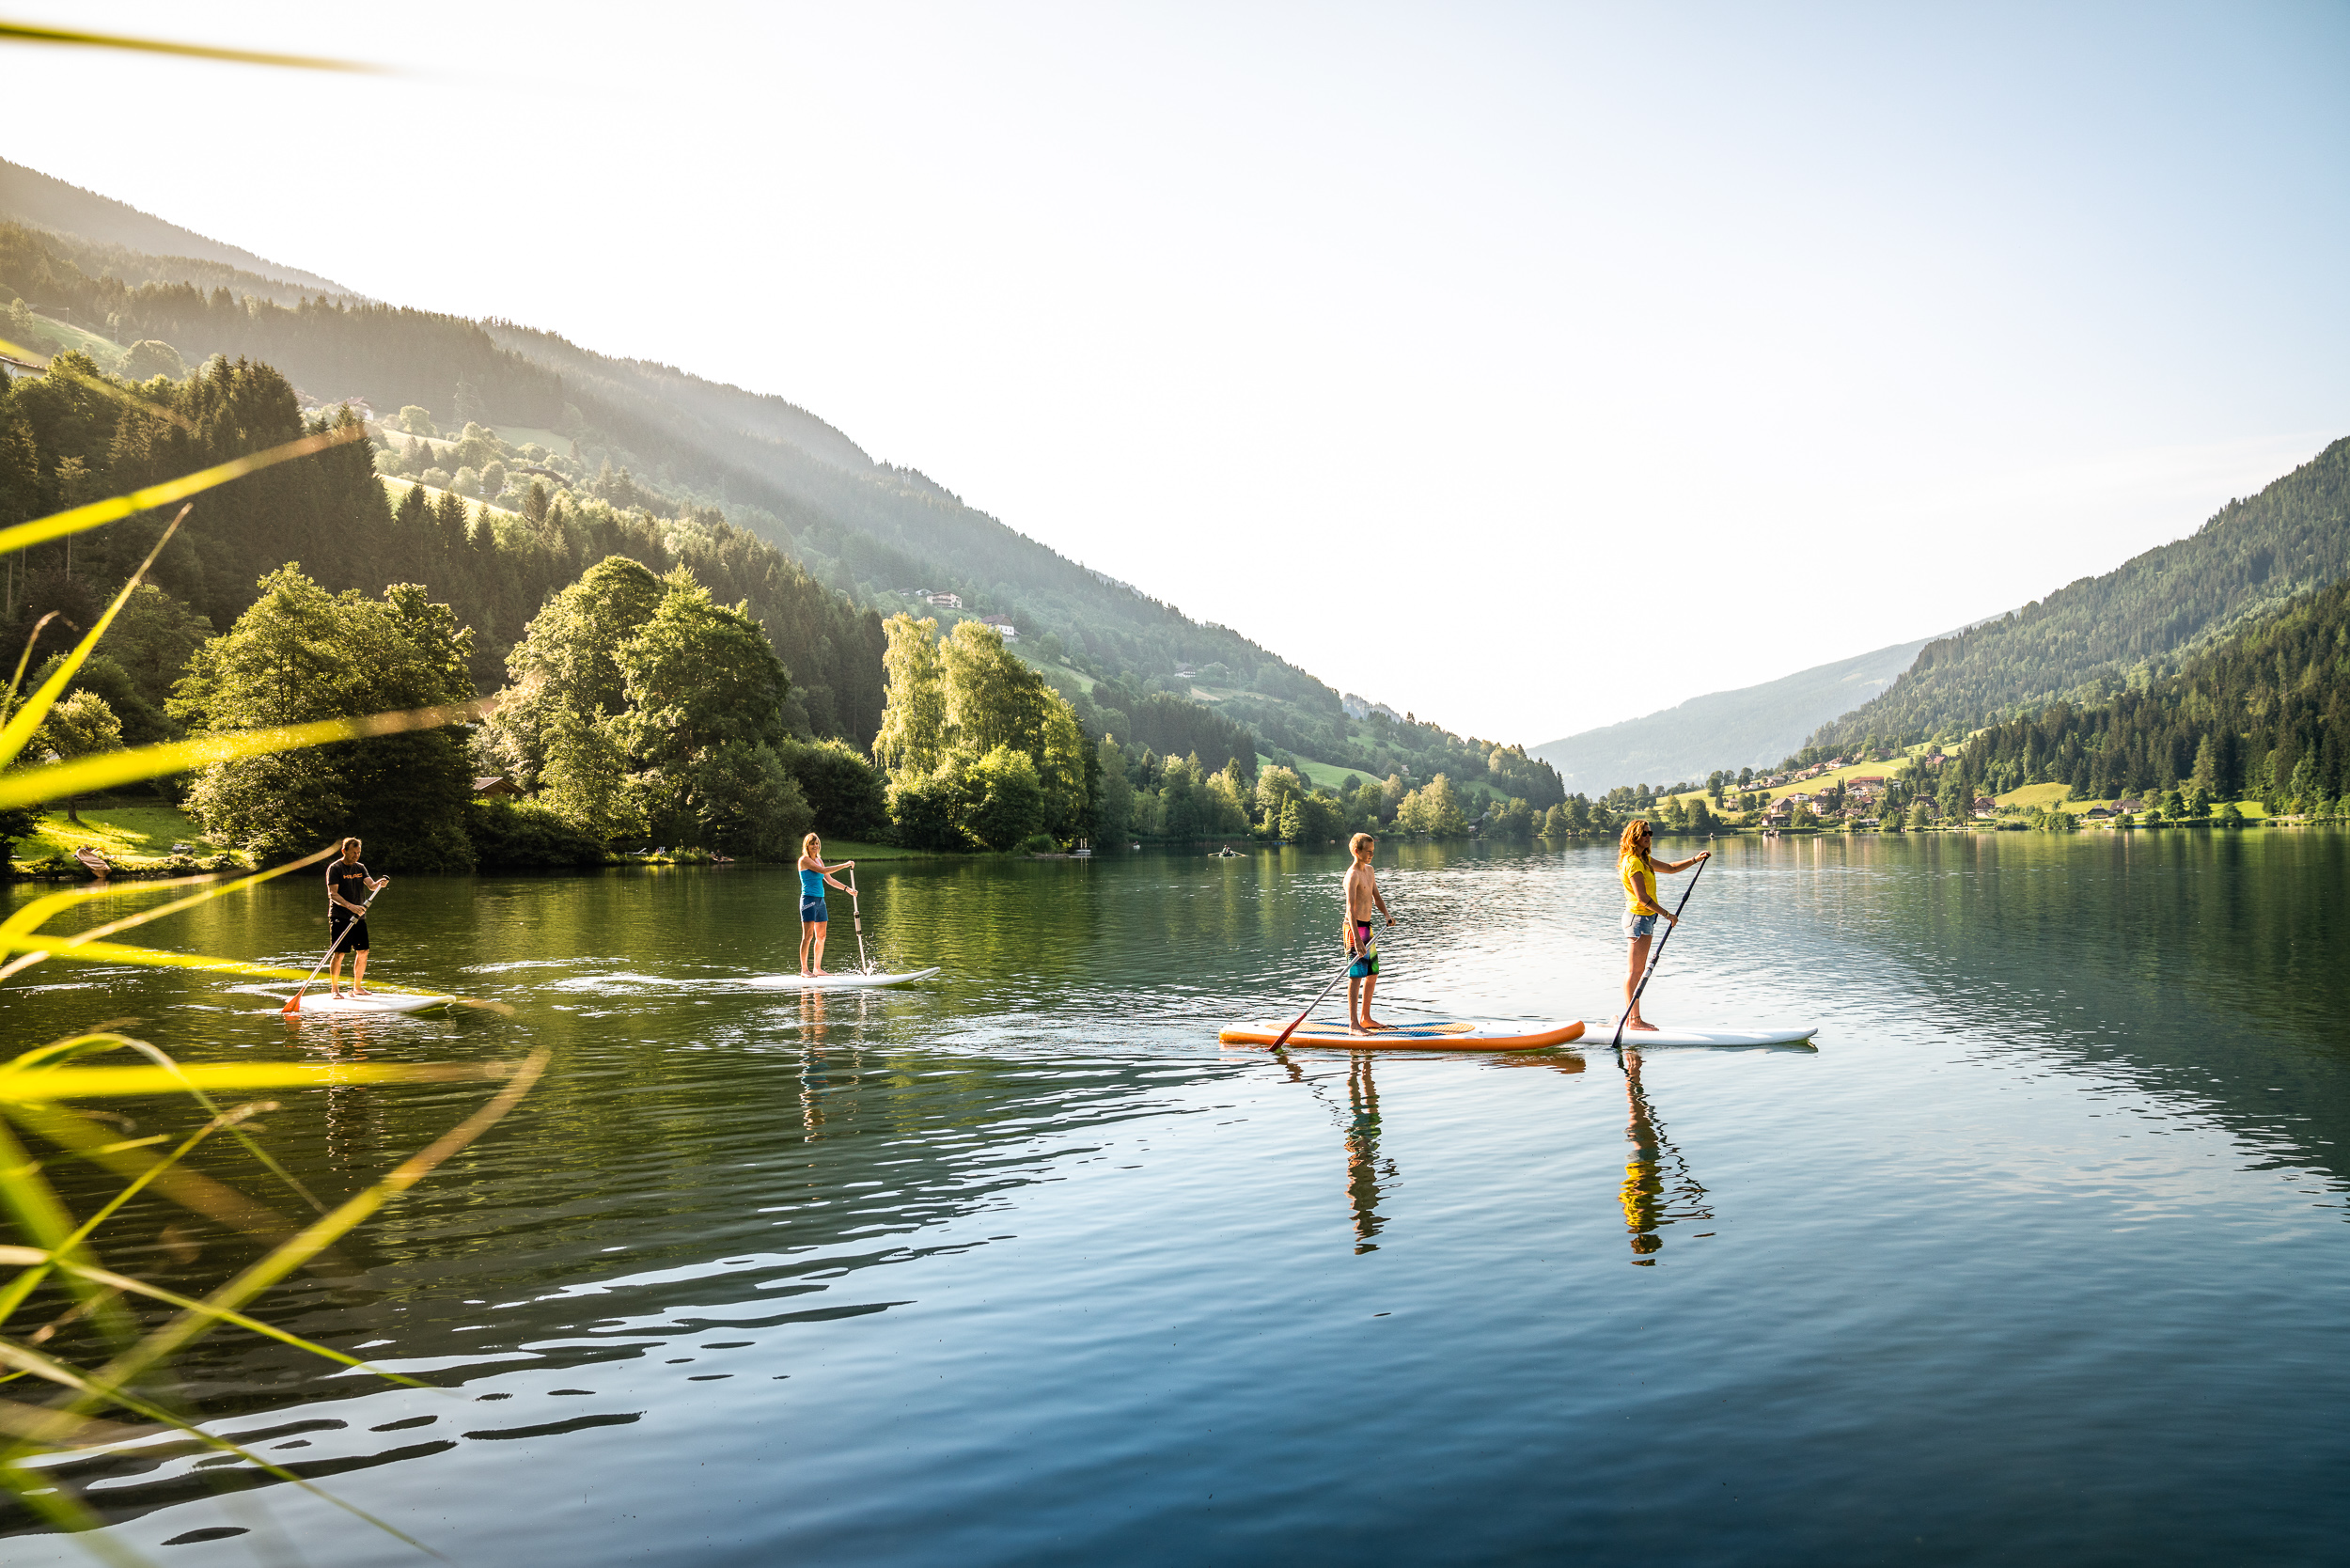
{"type": "Point", "coordinates": [811, 884]}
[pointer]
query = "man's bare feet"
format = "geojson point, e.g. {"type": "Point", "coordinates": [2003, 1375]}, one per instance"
{"type": "Point", "coordinates": [1639, 1025]}
{"type": "Point", "coordinates": [1369, 1023]}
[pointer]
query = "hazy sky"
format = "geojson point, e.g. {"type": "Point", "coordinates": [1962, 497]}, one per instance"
{"type": "Point", "coordinates": [1530, 368]}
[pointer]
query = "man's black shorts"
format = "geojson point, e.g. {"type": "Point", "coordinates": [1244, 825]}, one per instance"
{"type": "Point", "coordinates": [339, 921]}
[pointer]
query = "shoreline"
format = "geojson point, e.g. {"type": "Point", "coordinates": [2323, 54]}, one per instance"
{"type": "Point", "coordinates": [64, 869]}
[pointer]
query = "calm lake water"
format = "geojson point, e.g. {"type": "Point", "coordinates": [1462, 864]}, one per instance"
{"type": "Point", "coordinates": [2040, 1255]}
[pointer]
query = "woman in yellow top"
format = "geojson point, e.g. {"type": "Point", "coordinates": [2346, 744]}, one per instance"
{"type": "Point", "coordinates": [1637, 869]}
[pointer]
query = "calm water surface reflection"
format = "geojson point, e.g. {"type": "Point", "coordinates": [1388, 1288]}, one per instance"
{"type": "Point", "coordinates": [2041, 1254]}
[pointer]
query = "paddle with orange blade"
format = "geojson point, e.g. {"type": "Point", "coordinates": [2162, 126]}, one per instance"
{"type": "Point", "coordinates": [1283, 1038]}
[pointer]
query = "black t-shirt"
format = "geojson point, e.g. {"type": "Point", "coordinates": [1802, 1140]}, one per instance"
{"type": "Point", "coordinates": [350, 879]}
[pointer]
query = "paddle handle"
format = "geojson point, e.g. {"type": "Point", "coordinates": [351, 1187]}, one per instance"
{"type": "Point", "coordinates": [1657, 952]}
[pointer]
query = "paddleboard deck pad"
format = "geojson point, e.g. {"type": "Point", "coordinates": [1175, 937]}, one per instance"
{"type": "Point", "coordinates": [847, 980]}
{"type": "Point", "coordinates": [1601, 1032]}
{"type": "Point", "coordinates": [1426, 1034]}
{"type": "Point", "coordinates": [374, 1001]}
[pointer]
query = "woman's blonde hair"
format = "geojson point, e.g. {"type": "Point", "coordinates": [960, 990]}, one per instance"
{"type": "Point", "coordinates": [1636, 839]}
{"type": "Point", "coordinates": [808, 845]}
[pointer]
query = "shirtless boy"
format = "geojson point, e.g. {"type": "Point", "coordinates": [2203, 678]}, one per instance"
{"type": "Point", "coordinates": [1362, 898]}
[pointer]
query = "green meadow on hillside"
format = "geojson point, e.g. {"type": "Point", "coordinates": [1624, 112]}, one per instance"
{"type": "Point", "coordinates": [126, 834]}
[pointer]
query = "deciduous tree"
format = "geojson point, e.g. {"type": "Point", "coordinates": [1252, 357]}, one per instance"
{"type": "Point", "coordinates": [300, 653]}
{"type": "Point", "coordinates": [81, 724]}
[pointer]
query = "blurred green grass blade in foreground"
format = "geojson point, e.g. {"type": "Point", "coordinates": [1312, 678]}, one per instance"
{"type": "Point", "coordinates": [105, 768]}
{"type": "Point", "coordinates": [99, 384]}
{"type": "Point", "coordinates": [14, 32]}
{"type": "Point", "coordinates": [116, 508]}
{"type": "Point", "coordinates": [20, 728]}
{"type": "Point", "coordinates": [59, 1271]}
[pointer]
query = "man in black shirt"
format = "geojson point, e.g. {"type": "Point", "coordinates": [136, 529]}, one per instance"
{"type": "Point", "coordinates": [347, 887]}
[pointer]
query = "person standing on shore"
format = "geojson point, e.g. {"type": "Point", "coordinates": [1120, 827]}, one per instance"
{"type": "Point", "coordinates": [1362, 898]}
{"type": "Point", "coordinates": [348, 888]}
{"type": "Point", "coordinates": [1637, 869]}
{"type": "Point", "coordinates": [814, 876]}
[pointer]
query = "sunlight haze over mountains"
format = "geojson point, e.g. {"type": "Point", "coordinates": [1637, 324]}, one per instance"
{"type": "Point", "coordinates": [1532, 368]}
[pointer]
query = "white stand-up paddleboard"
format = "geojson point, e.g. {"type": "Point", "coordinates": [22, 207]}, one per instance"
{"type": "Point", "coordinates": [348, 1006]}
{"type": "Point", "coordinates": [1600, 1031]}
{"type": "Point", "coordinates": [846, 980]}
{"type": "Point", "coordinates": [1427, 1034]}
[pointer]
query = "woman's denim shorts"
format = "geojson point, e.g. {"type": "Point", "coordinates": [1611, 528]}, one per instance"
{"type": "Point", "coordinates": [1638, 926]}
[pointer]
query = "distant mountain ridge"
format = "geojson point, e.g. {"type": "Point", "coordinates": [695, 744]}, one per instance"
{"type": "Point", "coordinates": [48, 202]}
{"type": "Point", "coordinates": [1752, 727]}
{"type": "Point", "coordinates": [2101, 634]}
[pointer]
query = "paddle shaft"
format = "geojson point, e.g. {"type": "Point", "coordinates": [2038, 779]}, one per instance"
{"type": "Point", "coordinates": [293, 1003]}
{"type": "Point", "coordinates": [856, 919]}
{"type": "Point", "coordinates": [1656, 953]}
{"type": "Point", "coordinates": [1283, 1038]}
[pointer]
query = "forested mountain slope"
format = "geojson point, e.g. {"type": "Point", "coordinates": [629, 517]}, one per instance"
{"type": "Point", "coordinates": [63, 441]}
{"type": "Point", "coordinates": [664, 389]}
{"type": "Point", "coordinates": [1752, 727]}
{"type": "Point", "coordinates": [61, 267]}
{"type": "Point", "coordinates": [31, 196]}
{"type": "Point", "coordinates": [2267, 712]}
{"type": "Point", "coordinates": [2097, 636]}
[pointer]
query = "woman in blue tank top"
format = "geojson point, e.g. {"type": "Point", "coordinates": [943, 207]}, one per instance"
{"type": "Point", "coordinates": [814, 874]}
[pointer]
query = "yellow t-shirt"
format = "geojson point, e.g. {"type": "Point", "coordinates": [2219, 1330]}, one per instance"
{"type": "Point", "coordinates": [1640, 883]}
